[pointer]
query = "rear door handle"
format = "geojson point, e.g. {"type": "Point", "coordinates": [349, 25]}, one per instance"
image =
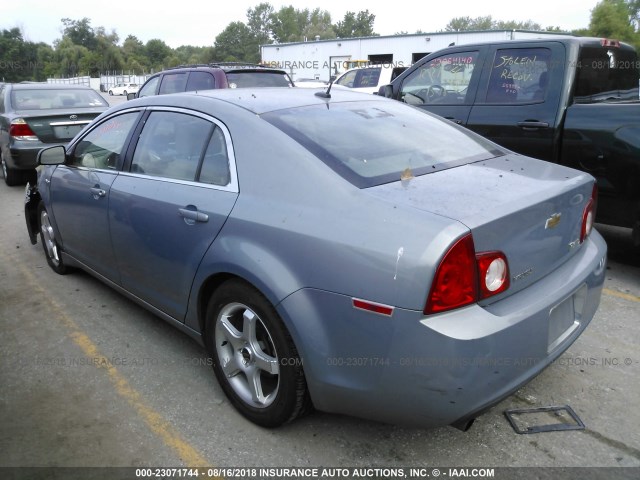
{"type": "Point", "coordinates": [532, 125]}
{"type": "Point", "coordinates": [191, 216]}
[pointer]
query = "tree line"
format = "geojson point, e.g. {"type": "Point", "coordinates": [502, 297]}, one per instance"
{"type": "Point", "coordinates": [85, 50]}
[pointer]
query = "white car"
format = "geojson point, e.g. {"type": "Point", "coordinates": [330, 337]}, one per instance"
{"type": "Point", "coordinates": [369, 79]}
{"type": "Point", "coordinates": [124, 89]}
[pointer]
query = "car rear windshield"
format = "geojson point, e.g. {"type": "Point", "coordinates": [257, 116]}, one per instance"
{"type": "Point", "coordinates": [371, 143]}
{"type": "Point", "coordinates": [46, 99]}
{"type": "Point", "coordinates": [607, 74]}
{"type": "Point", "coordinates": [245, 79]}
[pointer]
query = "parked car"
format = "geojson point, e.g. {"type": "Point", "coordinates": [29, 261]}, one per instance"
{"type": "Point", "coordinates": [34, 115]}
{"type": "Point", "coordinates": [367, 259]}
{"type": "Point", "coordinates": [572, 101]}
{"type": "Point", "coordinates": [213, 76]}
{"type": "Point", "coordinates": [369, 79]}
{"type": "Point", "coordinates": [124, 89]}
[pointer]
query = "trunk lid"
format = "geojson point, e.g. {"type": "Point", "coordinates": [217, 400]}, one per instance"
{"type": "Point", "coordinates": [57, 126]}
{"type": "Point", "coordinates": [529, 209]}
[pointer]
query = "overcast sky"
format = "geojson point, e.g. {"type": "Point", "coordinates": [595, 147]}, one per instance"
{"type": "Point", "coordinates": [198, 24]}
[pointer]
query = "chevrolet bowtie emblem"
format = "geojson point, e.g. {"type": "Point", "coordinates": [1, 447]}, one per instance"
{"type": "Point", "coordinates": [552, 221]}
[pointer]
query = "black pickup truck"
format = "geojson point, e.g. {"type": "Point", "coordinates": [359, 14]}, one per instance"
{"type": "Point", "coordinates": [572, 100]}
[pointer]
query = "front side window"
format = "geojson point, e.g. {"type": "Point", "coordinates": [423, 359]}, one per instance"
{"type": "Point", "coordinates": [171, 145]}
{"type": "Point", "coordinates": [519, 75]}
{"type": "Point", "coordinates": [149, 88]}
{"type": "Point", "coordinates": [101, 147]}
{"type": "Point", "coordinates": [370, 143]}
{"type": "Point", "coordinates": [348, 79]}
{"type": "Point", "coordinates": [443, 80]}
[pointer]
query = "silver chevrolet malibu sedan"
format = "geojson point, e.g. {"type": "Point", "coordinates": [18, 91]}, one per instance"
{"type": "Point", "coordinates": [337, 251]}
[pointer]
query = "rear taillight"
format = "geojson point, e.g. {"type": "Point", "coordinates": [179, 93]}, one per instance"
{"type": "Point", "coordinates": [20, 130]}
{"type": "Point", "coordinates": [464, 277]}
{"type": "Point", "coordinates": [589, 215]}
{"type": "Point", "coordinates": [493, 273]}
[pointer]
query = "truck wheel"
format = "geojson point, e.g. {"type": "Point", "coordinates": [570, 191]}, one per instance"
{"type": "Point", "coordinates": [254, 357]}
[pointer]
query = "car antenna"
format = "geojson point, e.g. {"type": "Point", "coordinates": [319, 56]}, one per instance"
{"type": "Point", "coordinates": [326, 94]}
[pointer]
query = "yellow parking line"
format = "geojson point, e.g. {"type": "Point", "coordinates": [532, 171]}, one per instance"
{"type": "Point", "coordinates": [154, 420]}
{"type": "Point", "coordinates": [625, 296]}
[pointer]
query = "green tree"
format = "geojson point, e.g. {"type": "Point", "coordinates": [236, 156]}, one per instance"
{"type": "Point", "coordinates": [70, 58]}
{"type": "Point", "coordinates": [612, 19]}
{"type": "Point", "coordinates": [79, 32]}
{"type": "Point", "coordinates": [634, 13]}
{"type": "Point", "coordinates": [236, 44]}
{"type": "Point", "coordinates": [259, 21]}
{"type": "Point", "coordinates": [466, 24]}
{"type": "Point", "coordinates": [356, 25]}
{"type": "Point", "coordinates": [157, 52]}
{"type": "Point", "coordinates": [12, 54]}
{"type": "Point", "coordinates": [318, 25]}
{"type": "Point", "coordinates": [133, 53]}
{"type": "Point", "coordinates": [287, 25]}
{"type": "Point", "coordinates": [107, 55]}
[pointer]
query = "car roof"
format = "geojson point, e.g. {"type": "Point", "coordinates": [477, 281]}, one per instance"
{"type": "Point", "coordinates": [226, 67]}
{"type": "Point", "coordinates": [585, 41]}
{"type": "Point", "coordinates": [264, 99]}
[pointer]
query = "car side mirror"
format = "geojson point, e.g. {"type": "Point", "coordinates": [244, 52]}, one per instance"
{"type": "Point", "coordinates": [55, 155]}
{"type": "Point", "coordinates": [132, 95]}
{"type": "Point", "coordinates": [386, 91]}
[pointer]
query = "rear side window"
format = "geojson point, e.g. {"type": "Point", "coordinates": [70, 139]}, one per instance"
{"type": "Point", "coordinates": [200, 81]}
{"type": "Point", "coordinates": [519, 75]}
{"type": "Point", "coordinates": [171, 145]}
{"type": "Point", "coordinates": [215, 165]}
{"type": "Point", "coordinates": [607, 74]}
{"type": "Point", "coordinates": [173, 83]}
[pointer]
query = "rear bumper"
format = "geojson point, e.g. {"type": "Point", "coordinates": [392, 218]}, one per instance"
{"type": "Point", "coordinates": [24, 154]}
{"type": "Point", "coordinates": [442, 369]}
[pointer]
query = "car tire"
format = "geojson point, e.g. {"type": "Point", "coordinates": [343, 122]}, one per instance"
{"type": "Point", "coordinates": [254, 357]}
{"type": "Point", "coordinates": [111, 92]}
{"type": "Point", "coordinates": [52, 249]}
{"type": "Point", "coordinates": [11, 176]}
{"type": "Point", "coordinates": [124, 93]}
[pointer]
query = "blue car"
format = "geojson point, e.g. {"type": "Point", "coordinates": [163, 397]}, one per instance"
{"type": "Point", "coordinates": [331, 250]}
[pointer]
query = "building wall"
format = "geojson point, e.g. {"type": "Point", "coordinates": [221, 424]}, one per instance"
{"type": "Point", "coordinates": [324, 59]}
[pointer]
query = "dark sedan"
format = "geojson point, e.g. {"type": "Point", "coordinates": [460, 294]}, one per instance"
{"type": "Point", "coordinates": [35, 115]}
